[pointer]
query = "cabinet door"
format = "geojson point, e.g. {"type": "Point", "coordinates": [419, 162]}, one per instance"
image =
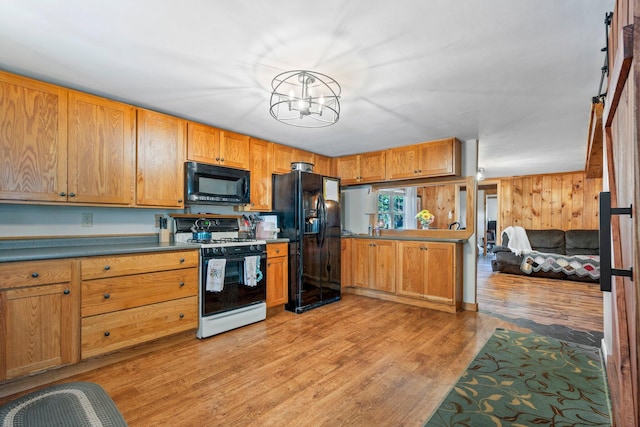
{"type": "Point", "coordinates": [411, 264]}
{"type": "Point", "coordinates": [372, 166]}
{"type": "Point", "coordinates": [361, 261]}
{"type": "Point", "coordinates": [260, 161]}
{"type": "Point", "coordinates": [282, 158]}
{"type": "Point", "coordinates": [440, 158]}
{"type": "Point", "coordinates": [440, 270]}
{"type": "Point", "coordinates": [39, 328]}
{"type": "Point", "coordinates": [203, 143]}
{"type": "Point", "coordinates": [402, 162]}
{"type": "Point", "coordinates": [346, 264]}
{"type": "Point", "coordinates": [101, 150]}
{"type": "Point", "coordinates": [277, 281]}
{"type": "Point", "coordinates": [33, 151]}
{"type": "Point", "coordinates": [348, 169]}
{"type": "Point", "coordinates": [161, 154]}
{"type": "Point", "coordinates": [322, 165]}
{"type": "Point", "coordinates": [384, 261]}
{"type": "Point", "coordinates": [234, 150]}
{"type": "Point", "coordinates": [302, 156]}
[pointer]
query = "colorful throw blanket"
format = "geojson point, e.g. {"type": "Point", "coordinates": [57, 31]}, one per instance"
{"type": "Point", "coordinates": [579, 265]}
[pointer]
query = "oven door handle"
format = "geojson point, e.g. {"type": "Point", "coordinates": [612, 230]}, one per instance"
{"type": "Point", "coordinates": [236, 258]}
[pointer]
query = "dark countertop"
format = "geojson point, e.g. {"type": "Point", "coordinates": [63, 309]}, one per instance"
{"type": "Point", "coordinates": [55, 248]}
{"type": "Point", "coordinates": [407, 238]}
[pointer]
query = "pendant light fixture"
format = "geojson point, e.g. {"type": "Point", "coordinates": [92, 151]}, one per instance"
{"type": "Point", "coordinates": [305, 99]}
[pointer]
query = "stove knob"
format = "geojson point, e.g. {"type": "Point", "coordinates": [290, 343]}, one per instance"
{"type": "Point", "coordinates": [222, 250]}
{"type": "Point", "coordinates": [216, 250]}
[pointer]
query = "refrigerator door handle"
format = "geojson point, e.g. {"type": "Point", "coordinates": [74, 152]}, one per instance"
{"type": "Point", "coordinates": [323, 219]}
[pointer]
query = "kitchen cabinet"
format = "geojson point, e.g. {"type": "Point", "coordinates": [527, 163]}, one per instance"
{"type": "Point", "coordinates": [39, 308]}
{"type": "Point", "coordinates": [260, 165]}
{"type": "Point", "coordinates": [428, 159]}
{"type": "Point", "coordinates": [160, 161]}
{"type": "Point", "coordinates": [346, 262]}
{"type": "Point", "coordinates": [207, 144]}
{"type": "Point", "coordinates": [322, 165]}
{"type": "Point", "coordinates": [101, 151]}
{"type": "Point", "coordinates": [430, 271]}
{"type": "Point", "coordinates": [131, 299]}
{"type": "Point", "coordinates": [283, 156]}
{"type": "Point", "coordinates": [33, 120]}
{"type": "Point", "coordinates": [361, 168]}
{"type": "Point", "coordinates": [277, 274]}
{"type": "Point", "coordinates": [374, 264]}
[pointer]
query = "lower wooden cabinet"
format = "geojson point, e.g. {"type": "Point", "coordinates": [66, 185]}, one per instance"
{"type": "Point", "coordinates": [424, 273]}
{"type": "Point", "coordinates": [130, 299]}
{"type": "Point", "coordinates": [277, 274]}
{"type": "Point", "coordinates": [39, 313]}
{"type": "Point", "coordinates": [374, 264]}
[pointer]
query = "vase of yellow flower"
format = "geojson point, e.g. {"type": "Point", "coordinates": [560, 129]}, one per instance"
{"type": "Point", "coordinates": [426, 218]}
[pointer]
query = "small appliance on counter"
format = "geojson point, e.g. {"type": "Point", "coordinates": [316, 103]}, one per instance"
{"type": "Point", "coordinates": [267, 227]}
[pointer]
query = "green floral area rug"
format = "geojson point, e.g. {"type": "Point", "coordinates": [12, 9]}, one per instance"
{"type": "Point", "coordinates": [520, 379]}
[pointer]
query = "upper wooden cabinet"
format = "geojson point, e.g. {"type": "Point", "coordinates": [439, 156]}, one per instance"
{"type": "Point", "coordinates": [160, 164]}
{"type": "Point", "coordinates": [101, 150]}
{"type": "Point", "coordinates": [323, 165]}
{"type": "Point", "coordinates": [260, 165]}
{"type": "Point", "coordinates": [283, 156]}
{"type": "Point", "coordinates": [429, 159]}
{"type": "Point", "coordinates": [361, 168]}
{"type": "Point", "coordinates": [33, 140]}
{"type": "Point", "coordinates": [211, 145]}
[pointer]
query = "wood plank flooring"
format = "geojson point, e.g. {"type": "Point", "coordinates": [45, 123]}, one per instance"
{"type": "Point", "coordinates": [357, 362]}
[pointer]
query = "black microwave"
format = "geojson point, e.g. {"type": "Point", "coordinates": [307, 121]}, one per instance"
{"type": "Point", "coordinates": [207, 184]}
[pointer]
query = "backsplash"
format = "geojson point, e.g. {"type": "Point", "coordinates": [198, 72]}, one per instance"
{"type": "Point", "coordinates": [46, 220]}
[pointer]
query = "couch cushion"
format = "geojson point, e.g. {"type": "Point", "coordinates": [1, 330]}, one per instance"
{"type": "Point", "coordinates": [582, 242]}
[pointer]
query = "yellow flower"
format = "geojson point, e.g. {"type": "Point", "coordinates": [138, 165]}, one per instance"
{"type": "Point", "coordinates": [425, 216]}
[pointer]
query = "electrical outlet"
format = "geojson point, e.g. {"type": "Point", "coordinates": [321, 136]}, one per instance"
{"type": "Point", "coordinates": [158, 218]}
{"type": "Point", "coordinates": [86, 220]}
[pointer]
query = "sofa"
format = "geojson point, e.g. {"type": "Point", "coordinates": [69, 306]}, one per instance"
{"type": "Point", "coordinates": [565, 243]}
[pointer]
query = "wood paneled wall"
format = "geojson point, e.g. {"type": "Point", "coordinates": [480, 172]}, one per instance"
{"type": "Point", "coordinates": [439, 200]}
{"type": "Point", "coordinates": [566, 201]}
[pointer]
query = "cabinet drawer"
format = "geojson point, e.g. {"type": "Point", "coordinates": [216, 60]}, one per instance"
{"type": "Point", "coordinates": [277, 249]}
{"type": "Point", "coordinates": [119, 293]}
{"type": "Point", "coordinates": [32, 273]}
{"type": "Point", "coordinates": [121, 265]}
{"type": "Point", "coordinates": [112, 331]}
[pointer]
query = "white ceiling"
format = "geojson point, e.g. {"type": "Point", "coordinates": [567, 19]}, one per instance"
{"type": "Point", "coordinates": [516, 75]}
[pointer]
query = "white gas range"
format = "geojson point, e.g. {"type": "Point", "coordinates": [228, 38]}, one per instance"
{"type": "Point", "coordinates": [233, 273]}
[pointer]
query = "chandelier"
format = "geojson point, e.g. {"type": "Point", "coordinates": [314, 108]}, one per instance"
{"type": "Point", "coordinates": [305, 99]}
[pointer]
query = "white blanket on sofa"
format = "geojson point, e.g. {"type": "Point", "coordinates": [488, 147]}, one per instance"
{"type": "Point", "coordinates": [518, 240]}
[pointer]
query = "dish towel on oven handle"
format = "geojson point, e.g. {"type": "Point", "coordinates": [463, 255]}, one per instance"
{"type": "Point", "coordinates": [252, 273]}
{"type": "Point", "coordinates": [215, 275]}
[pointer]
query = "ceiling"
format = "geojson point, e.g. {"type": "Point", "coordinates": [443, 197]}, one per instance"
{"type": "Point", "coordinates": [518, 76]}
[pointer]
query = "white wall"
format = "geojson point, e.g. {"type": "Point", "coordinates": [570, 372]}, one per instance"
{"type": "Point", "coordinates": [470, 249]}
{"type": "Point", "coordinates": [356, 203]}
{"type": "Point", "coordinates": [39, 221]}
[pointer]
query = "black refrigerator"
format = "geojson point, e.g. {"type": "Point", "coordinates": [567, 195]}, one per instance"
{"type": "Point", "coordinates": [308, 210]}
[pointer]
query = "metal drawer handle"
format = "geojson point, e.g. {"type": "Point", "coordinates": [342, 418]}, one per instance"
{"type": "Point", "coordinates": [35, 274]}
{"type": "Point", "coordinates": [107, 267]}
{"type": "Point", "coordinates": [107, 296]}
{"type": "Point", "coordinates": [107, 333]}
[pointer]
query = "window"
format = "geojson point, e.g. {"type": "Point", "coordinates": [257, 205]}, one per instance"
{"type": "Point", "coordinates": [391, 208]}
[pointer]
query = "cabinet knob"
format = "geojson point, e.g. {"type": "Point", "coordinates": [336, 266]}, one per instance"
{"type": "Point", "coordinates": [107, 333]}
{"type": "Point", "coordinates": [34, 274]}
{"type": "Point", "coordinates": [181, 284]}
{"type": "Point", "coordinates": [107, 296]}
{"type": "Point", "coordinates": [222, 159]}
{"type": "Point", "coordinates": [107, 267]}
{"type": "Point", "coordinates": [268, 264]}
{"type": "Point", "coordinates": [415, 171]}
{"type": "Point", "coordinates": [72, 194]}
{"type": "Point", "coordinates": [182, 315]}
{"type": "Point", "coordinates": [181, 260]}
{"type": "Point", "coordinates": [179, 200]}
{"type": "Point", "coordinates": [62, 194]}
{"type": "Point", "coordinates": [277, 251]}
{"type": "Point", "coordinates": [217, 159]}
{"type": "Point", "coordinates": [66, 292]}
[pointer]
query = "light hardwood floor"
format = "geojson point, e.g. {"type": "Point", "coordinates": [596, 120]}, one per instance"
{"type": "Point", "coordinates": [357, 362]}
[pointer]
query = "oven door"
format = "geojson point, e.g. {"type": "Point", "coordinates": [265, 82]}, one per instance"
{"type": "Point", "coordinates": [236, 291]}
